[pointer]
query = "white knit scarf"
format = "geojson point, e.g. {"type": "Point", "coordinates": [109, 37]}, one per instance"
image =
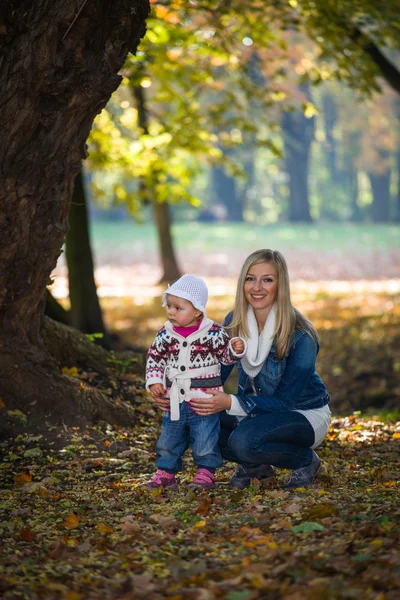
{"type": "Point", "coordinates": [258, 346]}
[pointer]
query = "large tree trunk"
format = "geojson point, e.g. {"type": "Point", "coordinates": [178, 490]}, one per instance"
{"type": "Point", "coordinates": [59, 65]}
{"type": "Point", "coordinates": [161, 210]}
{"type": "Point", "coordinates": [85, 311]}
{"type": "Point", "coordinates": [298, 134]}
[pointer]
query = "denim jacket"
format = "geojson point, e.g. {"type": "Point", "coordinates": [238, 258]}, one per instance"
{"type": "Point", "coordinates": [291, 383]}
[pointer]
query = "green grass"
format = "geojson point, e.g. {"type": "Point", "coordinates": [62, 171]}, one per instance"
{"type": "Point", "coordinates": [127, 236]}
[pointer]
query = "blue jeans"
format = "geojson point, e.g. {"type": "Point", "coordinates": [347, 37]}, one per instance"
{"type": "Point", "coordinates": [201, 433]}
{"type": "Point", "coordinates": [281, 439]}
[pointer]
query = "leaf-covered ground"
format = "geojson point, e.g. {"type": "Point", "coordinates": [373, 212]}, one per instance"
{"type": "Point", "coordinates": [74, 524]}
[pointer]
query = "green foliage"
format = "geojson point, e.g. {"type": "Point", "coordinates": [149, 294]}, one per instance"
{"type": "Point", "coordinates": [17, 416]}
{"type": "Point", "coordinates": [211, 77]}
{"type": "Point", "coordinates": [122, 366]}
{"type": "Point", "coordinates": [307, 527]}
{"type": "Point", "coordinates": [92, 337]}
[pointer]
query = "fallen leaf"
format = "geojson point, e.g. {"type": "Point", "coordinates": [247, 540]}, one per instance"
{"type": "Point", "coordinates": [71, 371]}
{"type": "Point", "coordinates": [199, 524]}
{"type": "Point", "coordinates": [308, 526]}
{"type": "Point", "coordinates": [22, 479]}
{"type": "Point", "coordinates": [320, 511]}
{"type": "Point", "coordinates": [72, 521]}
{"type": "Point", "coordinates": [204, 506]}
{"type": "Point", "coordinates": [129, 525]}
{"type": "Point", "coordinates": [104, 529]}
{"type": "Point", "coordinates": [27, 535]}
{"type": "Point", "coordinates": [142, 585]}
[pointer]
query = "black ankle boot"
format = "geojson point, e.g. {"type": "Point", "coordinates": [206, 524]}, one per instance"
{"type": "Point", "coordinates": [305, 476]}
{"type": "Point", "coordinates": [243, 475]}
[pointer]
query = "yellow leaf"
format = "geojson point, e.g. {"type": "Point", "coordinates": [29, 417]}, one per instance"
{"type": "Point", "coordinates": [21, 479]}
{"type": "Point", "coordinates": [72, 372]}
{"type": "Point", "coordinates": [320, 511]}
{"type": "Point", "coordinates": [396, 436]}
{"type": "Point", "coordinates": [73, 596]}
{"type": "Point", "coordinates": [72, 521]}
{"type": "Point", "coordinates": [272, 545]}
{"type": "Point", "coordinates": [199, 524]}
{"type": "Point", "coordinates": [309, 110]}
{"type": "Point", "coordinates": [104, 529]}
{"type": "Point", "coordinates": [377, 543]}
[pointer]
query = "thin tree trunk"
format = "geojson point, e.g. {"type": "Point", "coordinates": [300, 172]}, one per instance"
{"type": "Point", "coordinates": [161, 210]}
{"type": "Point", "coordinates": [55, 311]}
{"type": "Point", "coordinates": [351, 183]}
{"type": "Point", "coordinates": [330, 118]}
{"type": "Point", "coordinates": [85, 311]}
{"type": "Point", "coordinates": [162, 218]}
{"type": "Point", "coordinates": [58, 69]}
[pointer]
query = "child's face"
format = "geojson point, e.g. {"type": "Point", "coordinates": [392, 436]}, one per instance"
{"type": "Point", "coordinates": [181, 313]}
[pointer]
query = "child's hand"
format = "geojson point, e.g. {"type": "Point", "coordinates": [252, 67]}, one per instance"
{"type": "Point", "coordinates": [237, 345]}
{"type": "Point", "coordinates": [157, 390]}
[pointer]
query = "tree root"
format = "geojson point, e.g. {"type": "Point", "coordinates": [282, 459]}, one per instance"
{"type": "Point", "coordinates": [31, 382]}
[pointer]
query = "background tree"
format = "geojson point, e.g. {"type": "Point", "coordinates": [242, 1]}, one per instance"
{"type": "Point", "coordinates": [85, 313]}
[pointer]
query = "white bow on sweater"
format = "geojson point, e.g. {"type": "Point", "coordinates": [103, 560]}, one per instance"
{"type": "Point", "coordinates": [258, 346]}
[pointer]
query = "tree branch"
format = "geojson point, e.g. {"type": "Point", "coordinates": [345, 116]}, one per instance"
{"type": "Point", "coordinates": [387, 69]}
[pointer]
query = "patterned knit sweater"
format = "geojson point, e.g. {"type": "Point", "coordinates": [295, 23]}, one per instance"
{"type": "Point", "coordinates": [187, 367]}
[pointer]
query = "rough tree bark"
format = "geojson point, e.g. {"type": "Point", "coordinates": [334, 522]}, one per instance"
{"type": "Point", "coordinates": [59, 63]}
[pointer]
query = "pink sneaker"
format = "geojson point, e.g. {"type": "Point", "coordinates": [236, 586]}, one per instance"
{"type": "Point", "coordinates": [203, 478]}
{"type": "Point", "coordinates": [160, 479]}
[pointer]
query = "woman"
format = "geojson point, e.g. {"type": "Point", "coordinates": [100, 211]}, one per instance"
{"type": "Point", "coordinates": [280, 412]}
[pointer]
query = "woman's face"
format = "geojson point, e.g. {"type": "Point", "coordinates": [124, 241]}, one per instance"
{"type": "Point", "coordinates": [261, 286]}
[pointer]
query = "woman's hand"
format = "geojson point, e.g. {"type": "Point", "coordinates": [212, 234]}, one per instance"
{"type": "Point", "coordinates": [211, 406]}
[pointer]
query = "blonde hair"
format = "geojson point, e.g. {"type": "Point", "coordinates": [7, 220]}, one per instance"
{"type": "Point", "coordinates": [288, 318]}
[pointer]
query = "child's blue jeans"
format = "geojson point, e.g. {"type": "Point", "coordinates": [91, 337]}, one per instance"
{"type": "Point", "coordinates": [201, 433]}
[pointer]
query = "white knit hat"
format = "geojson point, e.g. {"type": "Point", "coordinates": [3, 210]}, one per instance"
{"type": "Point", "coordinates": [189, 287]}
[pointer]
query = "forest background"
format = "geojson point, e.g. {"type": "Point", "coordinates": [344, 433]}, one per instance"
{"type": "Point", "coordinates": [228, 130]}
